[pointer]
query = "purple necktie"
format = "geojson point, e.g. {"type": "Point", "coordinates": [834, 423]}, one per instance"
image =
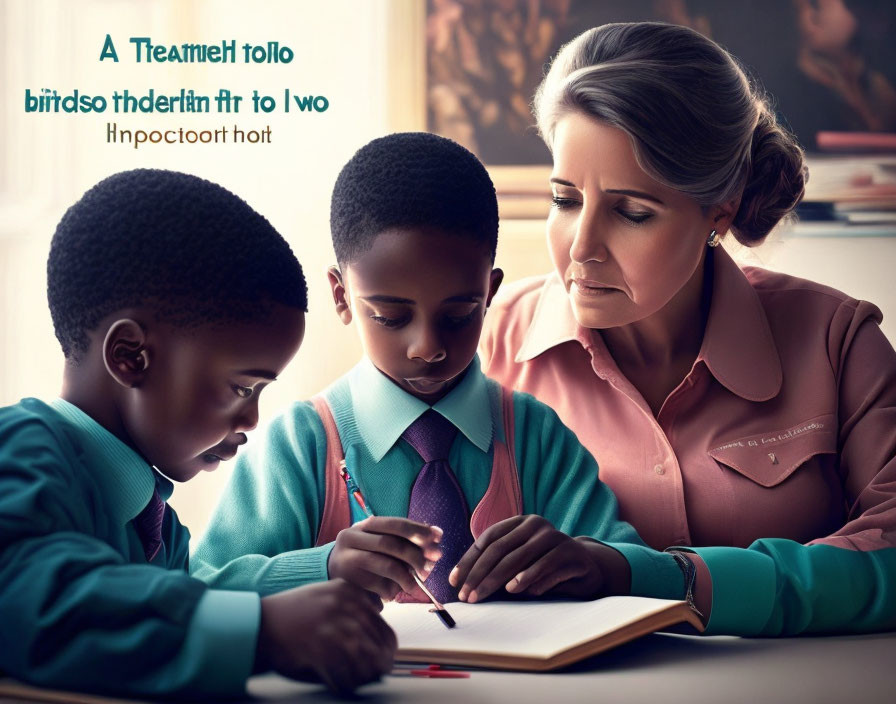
{"type": "Point", "coordinates": [149, 525]}
{"type": "Point", "coordinates": [437, 499]}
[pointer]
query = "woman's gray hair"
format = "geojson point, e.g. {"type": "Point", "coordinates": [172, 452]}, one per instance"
{"type": "Point", "coordinates": [696, 122]}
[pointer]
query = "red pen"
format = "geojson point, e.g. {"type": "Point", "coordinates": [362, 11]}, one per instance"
{"type": "Point", "coordinates": [433, 672]}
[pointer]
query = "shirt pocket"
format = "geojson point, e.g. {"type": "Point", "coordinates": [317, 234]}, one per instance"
{"type": "Point", "coordinates": [769, 458]}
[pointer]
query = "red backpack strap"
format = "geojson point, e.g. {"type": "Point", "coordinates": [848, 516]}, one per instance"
{"type": "Point", "coordinates": [503, 497]}
{"type": "Point", "coordinates": [336, 514]}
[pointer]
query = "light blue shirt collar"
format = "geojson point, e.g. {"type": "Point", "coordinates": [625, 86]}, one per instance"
{"type": "Point", "coordinates": [383, 410]}
{"type": "Point", "coordinates": [126, 479]}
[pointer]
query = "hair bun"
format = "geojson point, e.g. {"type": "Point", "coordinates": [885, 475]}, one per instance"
{"type": "Point", "coordinates": [776, 181]}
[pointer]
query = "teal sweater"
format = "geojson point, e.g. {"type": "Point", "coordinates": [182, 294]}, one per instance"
{"type": "Point", "coordinates": [263, 532]}
{"type": "Point", "coordinates": [80, 608]}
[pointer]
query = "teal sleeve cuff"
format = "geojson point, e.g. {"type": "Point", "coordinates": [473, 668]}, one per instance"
{"type": "Point", "coordinates": [295, 569]}
{"type": "Point", "coordinates": [655, 574]}
{"type": "Point", "coordinates": [219, 649]}
{"type": "Point", "coordinates": [743, 589]}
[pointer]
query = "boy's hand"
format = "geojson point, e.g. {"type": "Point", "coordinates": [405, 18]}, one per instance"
{"type": "Point", "coordinates": [378, 552]}
{"type": "Point", "coordinates": [527, 555]}
{"type": "Point", "coordinates": [329, 632]}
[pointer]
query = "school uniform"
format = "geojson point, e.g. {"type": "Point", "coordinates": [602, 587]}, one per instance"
{"type": "Point", "coordinates": [265, 533]}
{"type": "Point", "coordinates": [774, 460]}
{"type": "Point", "coordinates": [81, 605]}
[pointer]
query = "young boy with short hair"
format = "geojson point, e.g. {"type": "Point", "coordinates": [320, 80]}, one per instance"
{"type": "Point", "coordinates": [427, 440]}
{"type": "Point", "coordinates": [175, 304]}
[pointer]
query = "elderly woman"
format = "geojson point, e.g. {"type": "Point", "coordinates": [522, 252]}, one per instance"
{"type": "Point", "coordinates": [743, 417]}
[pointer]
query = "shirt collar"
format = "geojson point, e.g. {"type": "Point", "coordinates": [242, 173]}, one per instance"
{"type": "Point", "coordinates": [125, 478]}
{"type": "Point", "coordinates": [383, 410]}
{"type": "Point", "coordinates": [738, 347]}
{"type": "Point", "coordinates": [553, 322]}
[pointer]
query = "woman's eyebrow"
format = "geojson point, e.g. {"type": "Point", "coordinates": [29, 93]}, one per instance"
{"type": "Point", "coordinates": [618, 191]}
{"type": "Point", "coordinates": [635, 194]}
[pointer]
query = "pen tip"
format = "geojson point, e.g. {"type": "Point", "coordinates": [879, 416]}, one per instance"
{"type": "Point", "coordinates": [446, 618]}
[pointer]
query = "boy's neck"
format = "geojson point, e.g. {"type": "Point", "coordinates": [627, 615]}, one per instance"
{"type": "Point", "coordinates": [87, 386]}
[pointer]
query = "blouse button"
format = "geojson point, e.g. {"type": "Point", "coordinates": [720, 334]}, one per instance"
{"type": "Point", "coordinates": [659, 469]}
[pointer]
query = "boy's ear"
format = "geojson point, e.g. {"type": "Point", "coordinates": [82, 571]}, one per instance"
{"type": "Point", "coordinates": [497, 276]}
{"type": "Point", "coordinates": [125, 354]}
{"type": "Point", "coordinates": [337, 286]}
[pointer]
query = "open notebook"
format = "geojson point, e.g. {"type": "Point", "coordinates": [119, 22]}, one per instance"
{"type": "Point", "coordinates": [529, 635]}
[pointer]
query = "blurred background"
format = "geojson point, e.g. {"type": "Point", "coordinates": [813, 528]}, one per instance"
{"type": "Point", "coordinates": [463, 68]}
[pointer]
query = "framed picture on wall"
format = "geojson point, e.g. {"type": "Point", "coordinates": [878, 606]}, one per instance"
{"type": "Point", "coordinates": [829, 66]}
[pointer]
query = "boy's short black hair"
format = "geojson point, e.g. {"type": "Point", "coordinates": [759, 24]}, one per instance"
{"type": "Point", "coordinates": [411, 179]}
{"type": "Point", "coordinates": [188, 248]}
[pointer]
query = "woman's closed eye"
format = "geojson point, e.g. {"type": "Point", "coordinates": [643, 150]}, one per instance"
{"type": "Point", "coordinates": [635, 216]}
{"type": "Point", "coordinates": [562, 203]}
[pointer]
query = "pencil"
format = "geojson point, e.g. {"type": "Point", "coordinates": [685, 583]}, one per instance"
{"type": "Point", "coordinates": [353, 490]}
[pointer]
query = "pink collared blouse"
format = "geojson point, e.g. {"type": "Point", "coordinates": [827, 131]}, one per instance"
{"type": "Point", "coordinates": [785, 426]}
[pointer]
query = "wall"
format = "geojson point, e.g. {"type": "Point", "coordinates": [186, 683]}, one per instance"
{"type": "Point", "coordinates": [342, 50]}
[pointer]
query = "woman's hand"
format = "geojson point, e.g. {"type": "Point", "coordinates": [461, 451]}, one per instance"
{"type": "Point", "coordinates": [526, 555]}
{"type": "Point", "coordinates": [378, 553]}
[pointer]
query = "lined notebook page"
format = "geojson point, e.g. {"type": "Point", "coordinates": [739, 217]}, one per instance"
{"type": "Point", "coordinates": [530, 628]}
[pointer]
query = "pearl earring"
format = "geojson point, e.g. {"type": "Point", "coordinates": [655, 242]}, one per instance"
{"type": "Point", "coordinates": [713, 239]}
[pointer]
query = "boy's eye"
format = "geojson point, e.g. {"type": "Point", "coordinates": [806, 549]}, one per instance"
{"type": "Point", "coordinates": [459, 321]}
{"type": "Point", "coordinates": [389, 322]}
{"type": "Point", "coordinates": [241, 391]}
